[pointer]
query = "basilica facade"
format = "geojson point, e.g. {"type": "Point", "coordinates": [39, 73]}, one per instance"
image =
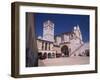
{"type": "Point", "coordinates": [66, 44]}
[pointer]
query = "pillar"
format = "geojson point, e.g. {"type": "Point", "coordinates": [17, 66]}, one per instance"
{"type": "Point", "coordinates": [31, 47]}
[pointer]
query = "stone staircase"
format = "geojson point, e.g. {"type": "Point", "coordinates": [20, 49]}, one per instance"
{"type": "Point", "coordinates": [77, 50]}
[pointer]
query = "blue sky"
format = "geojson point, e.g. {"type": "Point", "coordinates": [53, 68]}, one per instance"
{"type": "Point", "coordinates": [63, 23]}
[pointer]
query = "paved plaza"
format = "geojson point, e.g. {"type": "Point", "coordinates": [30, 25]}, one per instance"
{"type": "Point", "coordinates": [78, 60]}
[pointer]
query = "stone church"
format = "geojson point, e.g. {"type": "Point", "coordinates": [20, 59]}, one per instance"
{"type": "Point", "coordinates": [64, 45]}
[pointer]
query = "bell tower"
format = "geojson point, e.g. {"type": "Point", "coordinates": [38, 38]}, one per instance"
{"type": "Point", "coordinates": [48, 31]}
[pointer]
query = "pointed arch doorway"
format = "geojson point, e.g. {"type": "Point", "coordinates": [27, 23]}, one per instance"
{"type": "Point", "coordinates": [64, 50]}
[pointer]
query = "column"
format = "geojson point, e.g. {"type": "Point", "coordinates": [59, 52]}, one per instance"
{"type": "Point", "coordinates": [51, 45]}
{"type": "Point", "coordinates": [44, 46]}
{"type": "Point", "coordinates": [31, 50]}
{"type": "Point", "coordinates": [48, 46]}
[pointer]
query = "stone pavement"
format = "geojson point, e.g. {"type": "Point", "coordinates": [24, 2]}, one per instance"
{"type": "Point", "coordinates": [75, 60]}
